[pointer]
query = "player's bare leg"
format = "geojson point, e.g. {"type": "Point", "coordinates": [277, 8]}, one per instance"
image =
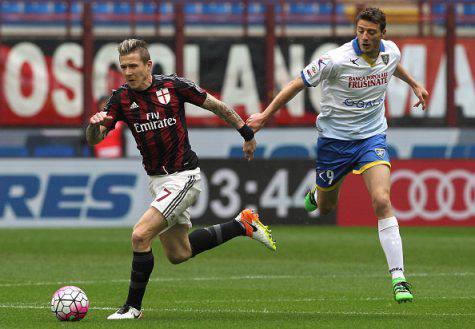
{"type": "Point", "coordinates": [378, 182]}
{"type": "Point", "coordinates": [147, 228]}
{"type": "Point", "coordinates": [179, 246]}
{"type": "Point", "coordinates": [176, 244]}
{"type": "Point", "coordinates": [324, 200]}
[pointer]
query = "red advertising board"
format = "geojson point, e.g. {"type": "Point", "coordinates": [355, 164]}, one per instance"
{"type": "Point", "coordinates": [423, 193]}
{"type": "Point", "coordinates": [42, 80]}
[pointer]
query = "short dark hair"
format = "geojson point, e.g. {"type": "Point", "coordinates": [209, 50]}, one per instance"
{"type": "Point", "coordinates": [374, 15]}
{"type": "Point", "coordinates": [129, 46]}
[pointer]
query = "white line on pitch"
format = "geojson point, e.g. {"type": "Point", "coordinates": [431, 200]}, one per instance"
{"type": "Point", "coordinates": [210, 278]}
{"type": "Point", "coordinates": [251, 311]}
{"type": "Point", "coordinates": [243, 277]}
{"type": "Point", "coordinates": [310, 299]}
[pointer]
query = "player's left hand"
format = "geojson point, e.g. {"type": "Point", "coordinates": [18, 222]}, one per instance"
{"type": "Point", "coordinates": [256, 121]}
{"type": "Point", "coordinates": [422, 94]}
{"type": "Point", "coordinates": [249, 148]}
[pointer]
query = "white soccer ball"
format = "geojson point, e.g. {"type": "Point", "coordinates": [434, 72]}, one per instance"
{"type": "Point", "coordinates": [69, 303]}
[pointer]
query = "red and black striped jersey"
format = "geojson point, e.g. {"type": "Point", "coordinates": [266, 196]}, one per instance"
{"type": "Point", "coordinates": [156, 117]}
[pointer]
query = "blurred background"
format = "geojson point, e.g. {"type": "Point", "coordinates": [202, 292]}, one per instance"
{"type": "Point", "coordinates": [58, 63]}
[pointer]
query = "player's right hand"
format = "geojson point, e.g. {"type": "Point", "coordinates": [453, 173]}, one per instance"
{"type": "Point", "coordinates": [100, 118]}
{"type": "Point", "coordinates": [256, 121]}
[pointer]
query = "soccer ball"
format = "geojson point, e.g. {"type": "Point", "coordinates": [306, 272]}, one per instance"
{"type": "Point", "coordinates": [69, 303]}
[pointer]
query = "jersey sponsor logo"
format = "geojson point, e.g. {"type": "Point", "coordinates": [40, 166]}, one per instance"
{"type": "Point", "coordinates": [368, 80]}
{"type": "Point", "coordinates": [163, 96]}
{"type": "Point", "coordinates": [385, 58]}
{"type": "Point", "coordinates": [154, 124]}
{"type": "Point", "coordinates": [380, 152]}
{"type": "Point", "coordinates": [153, 116]}
{"type": "Point", "coordinates": [362, 104]}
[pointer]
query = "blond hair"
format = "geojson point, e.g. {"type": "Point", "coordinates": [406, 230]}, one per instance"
{"type": "Point", "coordinates": [129, 46]}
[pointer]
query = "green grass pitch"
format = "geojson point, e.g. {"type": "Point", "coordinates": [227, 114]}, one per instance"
{"type": "Point", "coordinates": [320, 277]}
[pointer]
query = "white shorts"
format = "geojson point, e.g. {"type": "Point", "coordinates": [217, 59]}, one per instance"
{"type": "Point", "coordinates": [174, 194]}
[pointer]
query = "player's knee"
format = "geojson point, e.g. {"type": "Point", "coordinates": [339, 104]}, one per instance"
{"type": "Point", "coordinates": [139, 239]}
{"type": "Point", "coordinates": [178, 255]}
{"type": "Point", "coordinates": [178, 258]}
{"type": "Point", "coordinates": [381, 203]}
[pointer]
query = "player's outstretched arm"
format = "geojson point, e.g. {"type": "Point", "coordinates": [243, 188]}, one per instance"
{"type": "Point", "coordinates": [418, 90]}
{"type": "Point", "coordinates": [258, 120]}
{"type": "Point", "coordinates": [233, 119]}
{"type": "Point", "coordinates": [223, 111]}
{"type": "Point", "coordinates": [95, 132]}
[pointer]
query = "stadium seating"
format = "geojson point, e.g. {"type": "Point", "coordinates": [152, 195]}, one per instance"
{"type": "Point", "coordinates": [392, 152]}
{"type": "Point", "coordinates": [469, 9]}
{"type": "Point", "coordinates": [145, 8]}
{"type": "Point", "coordinates": [307, 12]}
{"type": "Point", "coordinates": [290, 151]}
{"type": "Point", "coordinates": [101, 8]}
{"type": "Point", "coordinates": [54, 151]}
{"type": "Point", "coordinates": [62, 8]}
{"type": "Point", "coordinates": [463, 152]}
{"type": "Point", "coordinates": [236, 152]}
{"type": "Point", "coordinates": [40, 8]}
{"type": "Point", "coordinates": [121, 8]}
{"type": "Point", "coordinates": [56, 146]}
{"type": "Point", "coordinates": [237, 9]}
{"type": "Point", "coordinates": [13, 151]}
{"type": "Point", "coordinates": [12, 7]}
{"type": "Point", "coordinates": [458, 151]}
{"type": "Point", "coordinates": [215, 8]}
{"type": "Point", "coordinates": [429, 151]}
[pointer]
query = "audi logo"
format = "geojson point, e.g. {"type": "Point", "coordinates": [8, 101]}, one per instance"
{"type": "Point", "coordinates": [445, 193]}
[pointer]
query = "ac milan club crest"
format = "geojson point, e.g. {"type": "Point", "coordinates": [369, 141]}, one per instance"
{"type": "Point", "coordinates": [163, 96]}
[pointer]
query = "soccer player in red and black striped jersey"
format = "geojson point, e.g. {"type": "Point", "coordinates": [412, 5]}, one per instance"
{"type": "Point", "coordinates": [153, 108]}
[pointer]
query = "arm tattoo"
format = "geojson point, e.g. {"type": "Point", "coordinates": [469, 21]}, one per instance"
{"type": "Point", "coordinates": [223, 111]}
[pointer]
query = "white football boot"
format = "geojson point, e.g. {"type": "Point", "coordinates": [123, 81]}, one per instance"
{"type": "Point", "coordinates": [255, 229]}
{"type": "Point", "coordinates": [125, 312]}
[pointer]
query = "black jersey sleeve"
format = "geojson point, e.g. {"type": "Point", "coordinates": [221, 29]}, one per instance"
{"type": "Point", "coordinates": [113, 109]}
{"type": "Point", "coordinates": [190, 92]}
